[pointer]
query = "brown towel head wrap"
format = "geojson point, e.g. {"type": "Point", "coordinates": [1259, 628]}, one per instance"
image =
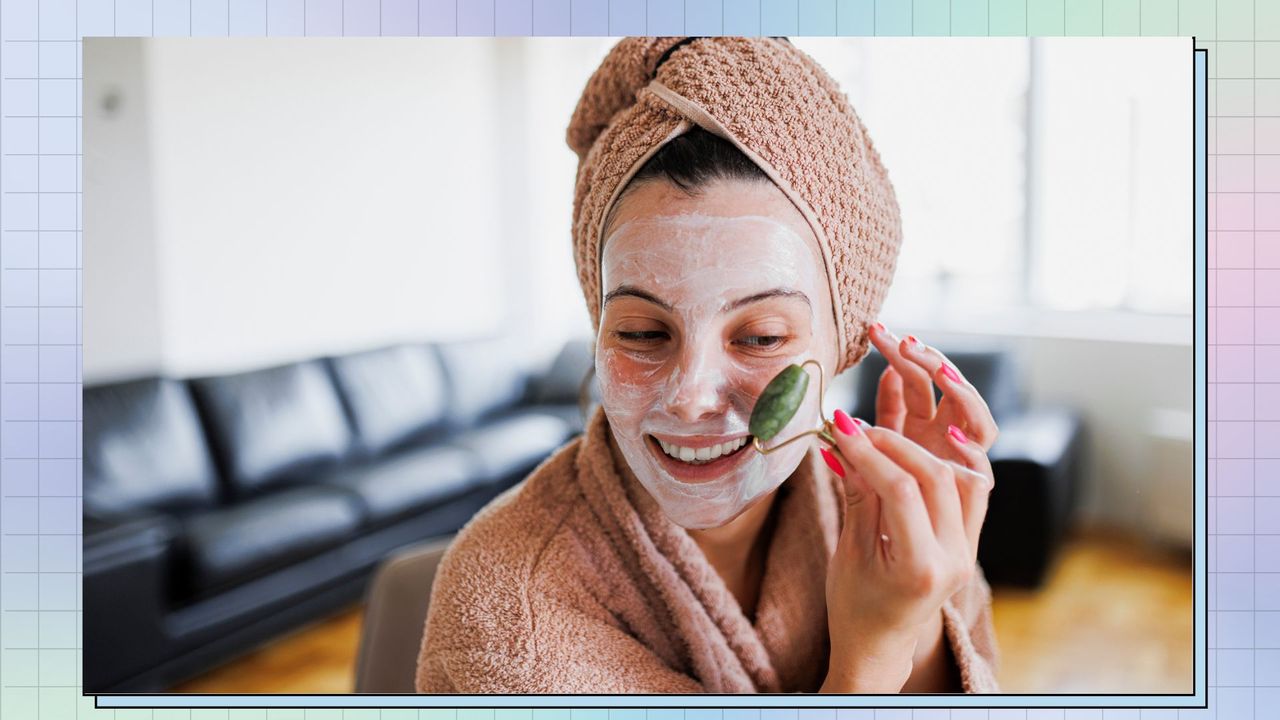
{"type": "Point", "coordinates": [784, 112]}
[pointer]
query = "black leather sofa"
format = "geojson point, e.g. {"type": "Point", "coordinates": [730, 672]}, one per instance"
{"type": "Point", "coordinates": [1037, 461]}
{"type": "Point", "coordinates": [220, 512]}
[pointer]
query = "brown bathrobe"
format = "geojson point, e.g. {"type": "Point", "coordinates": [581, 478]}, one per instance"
{"type": "Point", "coordinates": [574, 581]}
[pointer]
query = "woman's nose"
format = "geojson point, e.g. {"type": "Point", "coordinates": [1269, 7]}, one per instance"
{"type": "Point", "coordinates": [697, 387]}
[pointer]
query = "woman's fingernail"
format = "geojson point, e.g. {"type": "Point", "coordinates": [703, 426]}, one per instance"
{"type": "Point", "coordinates": [862, 423]}
{"type": "Point", "coordinates": [913, 343]}
{"type": "Point", "coordinates": [951, 374]}
{"type": "Point", "coordinates": [957, 433]}
{"type": "Point", "coordinates": [832, 462]}
{"type": "Point", "coordinates": [844, 423]}
{"type": "Point", "coordinates": [880, 326]}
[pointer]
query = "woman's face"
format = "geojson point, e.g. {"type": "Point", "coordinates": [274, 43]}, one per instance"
{"type": "Point", "coordinates": [706, 299]}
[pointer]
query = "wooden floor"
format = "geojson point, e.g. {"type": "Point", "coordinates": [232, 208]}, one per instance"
{"type": "Point", "coordinates": [1114, 616]}
{"type": "Point", "coordinates": [318, 658]}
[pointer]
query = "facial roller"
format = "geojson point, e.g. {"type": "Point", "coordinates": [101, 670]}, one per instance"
{"type": "Point", "coordinates": [780, 401]}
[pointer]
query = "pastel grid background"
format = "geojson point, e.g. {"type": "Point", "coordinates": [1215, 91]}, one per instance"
{"type": "Point", "coordinates": [40, 319]}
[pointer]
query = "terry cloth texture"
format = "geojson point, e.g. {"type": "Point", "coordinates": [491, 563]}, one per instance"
{"type": "Point", "coordinates": [574, 581]}
{"type": "Point", "coordinates": [784, 112]}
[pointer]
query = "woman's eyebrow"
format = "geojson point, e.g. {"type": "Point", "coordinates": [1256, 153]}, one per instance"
{"type": "Point", "coordinates": [633, 291]}
{"type": "Point", "coordinates": [776, 292]}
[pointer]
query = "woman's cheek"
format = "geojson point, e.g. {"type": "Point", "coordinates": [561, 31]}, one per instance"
{"type": "Point", "coordinates": [760, 372]}
{"type": "Point", "coordinates": [755, 372]}
{"type": "Point", "coordinates": [629, 386]}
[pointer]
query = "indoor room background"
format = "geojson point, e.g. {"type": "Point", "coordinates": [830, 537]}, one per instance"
{"type": "Point", "coordinates": [314, 198]}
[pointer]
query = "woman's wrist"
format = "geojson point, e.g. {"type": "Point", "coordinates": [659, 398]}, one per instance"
{"type": "Point", "coordinates": [875, 665]}
{"type": "Point", "coordinates": [930, 638]}
{"type": "Point", "coordinates": [933, 669]}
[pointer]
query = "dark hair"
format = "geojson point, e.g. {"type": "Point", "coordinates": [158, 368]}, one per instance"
{"type": "Point", "coordinates": [690, 162]}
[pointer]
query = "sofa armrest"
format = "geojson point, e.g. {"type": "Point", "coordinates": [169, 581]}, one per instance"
{"type": "Point", "coordinates": [1037, 461]}
{"type": "Point", "coordinates": [114, 540]}
{"type": "Point", "coordinates": [126, 564]}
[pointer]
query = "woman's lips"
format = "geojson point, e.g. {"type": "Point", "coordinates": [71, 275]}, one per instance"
{"type": "Point", "coordinates": [706, 471]}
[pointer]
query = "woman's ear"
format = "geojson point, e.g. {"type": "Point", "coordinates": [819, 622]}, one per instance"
{"type": "Point", "coordinates": [832, 361]}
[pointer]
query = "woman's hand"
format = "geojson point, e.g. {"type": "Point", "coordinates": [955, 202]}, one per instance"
{"type": "Point", "coordinates": [905, 398]}
{"type": "Point", "coordinates": [881, 593]}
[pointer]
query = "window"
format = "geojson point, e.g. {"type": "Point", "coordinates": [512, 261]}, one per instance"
{"type": "Point", "coordinates": [1112, 188]}
{"type": "Point", "coordinates": [1042, 182]}
{"type": "Point", "coordinates": [948, 117]}
{"type": "Point", "coordinates": [1036, 178]}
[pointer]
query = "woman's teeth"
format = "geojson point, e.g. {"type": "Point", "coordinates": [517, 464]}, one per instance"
{"type": "Point", "coordinates": [698, 456]}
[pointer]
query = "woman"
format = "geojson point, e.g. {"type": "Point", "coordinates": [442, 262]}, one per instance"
{"type": "Point", "coordinates": [731, 217]}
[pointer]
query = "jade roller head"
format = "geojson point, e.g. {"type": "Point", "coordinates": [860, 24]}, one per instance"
{"type": "Point", "coordinates": [778, 404]}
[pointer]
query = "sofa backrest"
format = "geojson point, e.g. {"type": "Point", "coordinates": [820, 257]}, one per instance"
{"type": "Point", "coordinates": [273, 424]}
{"type": "Point", "coordinates": [484, 377]}
{"type": "Point", "coordinates": [394, 394]}
{"type": "Point", "coordinates": [144, 448]}
{"type": "Point", "coordinates": [562, 381]}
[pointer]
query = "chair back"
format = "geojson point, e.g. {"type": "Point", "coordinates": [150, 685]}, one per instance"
{"type": "Point", "coordinates": [395, 616]}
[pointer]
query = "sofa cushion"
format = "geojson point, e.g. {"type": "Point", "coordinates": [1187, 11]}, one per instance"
{"type": "Point", "coordinates": [144, 449]}
{"type": "Point", "coordinates": [507, 447]}
{"type": "Point", "coordinates": [407, 481]}
{"type": "Point", "coordinates": [484, 378]}
{"type": "Point", "coordinates": [275, 423]}
{"type": "Point", "coordinates": [232, 544]}
{"type": "Point", "coordinates": [394, 394]}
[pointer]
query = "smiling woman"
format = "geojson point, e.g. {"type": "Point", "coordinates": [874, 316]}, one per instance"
{"type": "Point", "coordinates": [713, 294]}
{"type": "Point", "coordinates": [732, 218]}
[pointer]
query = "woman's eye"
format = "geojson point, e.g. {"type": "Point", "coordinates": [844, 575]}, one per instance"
{"type": "Point", "coordinates": [642, 336]}
{"type": "Point", "coordinates": [763, 341]}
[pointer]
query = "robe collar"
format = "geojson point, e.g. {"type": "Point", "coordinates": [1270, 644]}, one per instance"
{"type": "Point", "coordinates": [707, 634]}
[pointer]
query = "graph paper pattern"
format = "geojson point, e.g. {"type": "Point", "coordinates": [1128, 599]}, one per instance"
{"type": "Point", "coordinates": [40, 297]}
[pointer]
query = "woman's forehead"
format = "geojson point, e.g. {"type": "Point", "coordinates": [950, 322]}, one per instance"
{"type": "Point", "coordinates": [729, 236]}
{"type": "Point", "coordinates": [653, 200]}
{"type": "Point", "coordinates": [696, 230]}
{"type": "Point", "coordinates": [686, 243]}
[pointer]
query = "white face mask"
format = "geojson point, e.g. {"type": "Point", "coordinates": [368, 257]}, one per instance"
{"type": "Point", "coordinates": [691, 377]}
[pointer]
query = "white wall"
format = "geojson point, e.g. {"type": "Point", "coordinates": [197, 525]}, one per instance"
{"type": "Point", "coordinates": [538, 87]}
{"type": "Point", "coordinates": [300, 200]}
{"type": "Point", "coordinates": [1126, 393]}
{"type": "Point", "coordinates": [121, 318]}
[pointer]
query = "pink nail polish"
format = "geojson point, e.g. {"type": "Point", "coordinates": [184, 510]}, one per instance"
{"type": "Point", "coordinates": [913, 343]}
{"type": "Point", "coordinates": [957, 433]}
{"type": "Point", "coordinates": [843, 422]}
{"type": "Point", "coordinates": [862, 423]}
{"type": "Point", "coordinates": [832, 462]}
{"type": "Point", "coordinates": [880, 327]}
{"type": "Point", "coordinates": [951, 374]}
